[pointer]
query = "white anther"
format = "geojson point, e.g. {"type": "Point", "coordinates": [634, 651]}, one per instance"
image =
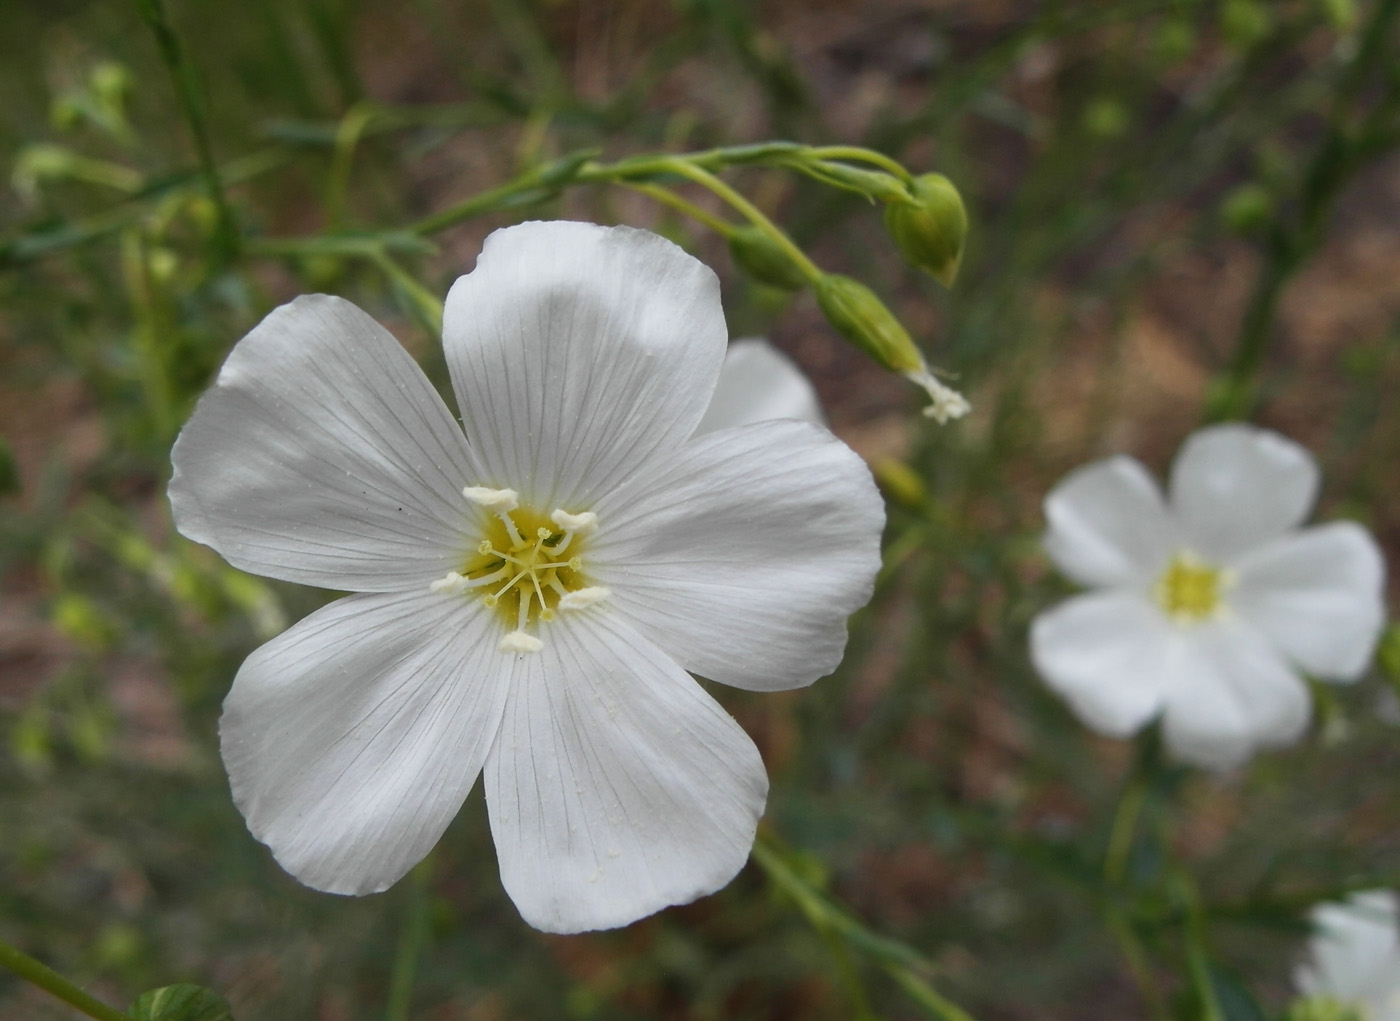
{"type": "Point", "coordinates": [452, 582]}
{"type": "Point", "coordinates": [502, 501]}
{"type": "Point", "coordinates": [946, 403]}
{"type": "Point", "coordinates": [579, 598]}
{"type": "Point", "coordinates": [580, 524]}
{"type": "Point", "coordinates": [519, 641]}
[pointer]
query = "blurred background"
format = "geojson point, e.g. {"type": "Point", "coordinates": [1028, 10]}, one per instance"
{"type": "Point", "coordinates": [1165, 195]}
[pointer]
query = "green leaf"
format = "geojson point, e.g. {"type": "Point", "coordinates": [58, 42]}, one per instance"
{"type": "Point", "coordinates": [181, 1003]}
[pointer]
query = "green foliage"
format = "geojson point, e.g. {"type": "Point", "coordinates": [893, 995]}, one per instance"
{"type": "Point", "coordinates": [180, 1003]}
{"type": "Point", "coordinates": [1171, 203]}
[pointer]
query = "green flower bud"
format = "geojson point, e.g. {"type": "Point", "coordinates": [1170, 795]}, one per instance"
{"type": "Point", "coordinates": [862, 318]}
{"type": "Point", "coordinates": [931, 232]}
{"type": "Point", "coordinates": [763, 259]}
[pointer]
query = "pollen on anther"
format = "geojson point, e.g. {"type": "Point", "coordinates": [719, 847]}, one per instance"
{"type": "Point", "coordinates": [519, 641]}
{"type": "Point", "coordinates": [499, 500]}
{"type": "Point", "coordinates": [585, 523]}
{"type": "Point", "coordinates": [579, 598]}
{"type": "Point", "coordinates": [452, 582]}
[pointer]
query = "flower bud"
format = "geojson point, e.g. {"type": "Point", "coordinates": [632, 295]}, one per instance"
{"type": "Point", "coordinates": [930, 233]}
{"type": "Point", "coordinates": [764, 260]}
{"type": "Point", "coordinates": [859, 316]}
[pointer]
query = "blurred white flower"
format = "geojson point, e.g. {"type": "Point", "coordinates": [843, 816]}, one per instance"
{"type": "Point", "coordinates": [757, 382]}
{"type": "Point", "coordinates": [1206, 607]}
{"type": "Point", "coordinates": [1354, 957]}
{"type": "Point", "coordinates": [530, 596]}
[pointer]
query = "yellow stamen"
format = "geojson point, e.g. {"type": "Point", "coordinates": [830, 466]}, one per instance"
{"type": "Point", "coordinates": [1190, 590]}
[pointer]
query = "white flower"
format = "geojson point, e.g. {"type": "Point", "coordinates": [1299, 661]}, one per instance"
{"type": "Point", "coordinates": [530, 596]}
{"type": "Point", "coordinates": [758, 382]}
{"type": "Point", "coordinates": [1205, 608]}
{"type": "Point", "coordinates": [1355, 956]}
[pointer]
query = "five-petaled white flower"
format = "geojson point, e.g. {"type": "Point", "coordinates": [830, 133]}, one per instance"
{"type": "Point", "coordinates": [1354, 958]}
{"type": "Point", "coordinates": [1206, 606]}
{"type": "Point", "coordinates": [532, 597]}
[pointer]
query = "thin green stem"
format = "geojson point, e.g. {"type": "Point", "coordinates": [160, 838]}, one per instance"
{"type": "Point", "coordinates": [1139, 964]}
{"type": "Point", "coordinates": [1291, 244]}
{"type": "Point", "coordinates": [851, 153]}
{"type": "Point", "coordinates": [54, 984]}
{"type": "Point", "coordinates": [427, 305]}
{"type": "Point", "coordinates": [669, 198]}
{"type": "Point", "coordinates": [1197, 957]}
{"type": "Point", "coordinates": [226, 236]}
{"type": "Point", "coordinates": [748, 210]}
{"type": "Point", "coordinates": [521, 191]}
{"type": "Point", "coordinates": [347, 137]}
{"type": "Point", "coordinates": [1124, 830]}
{"type": "Point", "coordinates": [898, 960]}
{"type": "Point", "coordinates": [412, 938]}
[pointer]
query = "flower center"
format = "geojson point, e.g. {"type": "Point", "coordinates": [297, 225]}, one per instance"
{"type": "Point", "coordinates": [1189, 590]}
{"type": "Point", "coordinates": [527, 567]}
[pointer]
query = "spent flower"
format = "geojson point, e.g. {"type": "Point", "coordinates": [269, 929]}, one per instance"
{"type": "Point", "coordinates": [1207, 607]}
{"type": "Point", "coordinates": [533, 589]}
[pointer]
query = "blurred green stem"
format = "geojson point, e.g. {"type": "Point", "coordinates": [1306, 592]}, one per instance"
{"type": "Point", "coordinates": [412, 937]}
{"type": "Point", "coordinates": [899, 961]}
{"type": "Point", "coordinates": [1138, 963]}
{"type": "Point", "coordinates": [1291, 243]}
{"type": "Point", "coordinates": [187, 93]}
{"type": "Point", "coordinates": [347, 136]}
{"type": "Point", "coordinates": [54, 984]}
{"type": "Point", "coordinates": [1197, 956]}
{"type": "Point", "coordinates": [851, 153]}
{"type": "Point", "coordinates": [669, 198]}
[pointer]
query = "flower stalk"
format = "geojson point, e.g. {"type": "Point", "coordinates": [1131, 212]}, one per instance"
{"type": "Point", "coordinates": [901, 962]}
{"type": "Point", "coordinates": [39, 974]}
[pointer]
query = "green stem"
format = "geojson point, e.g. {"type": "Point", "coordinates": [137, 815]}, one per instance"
{"type": "Point", "coordinates": [689, 168]}
{"type": "Point", "coordinates": [54, 984]}
{"type": "Point", "coordinates": [187, 93]}
{"type": "Point", "coordinates": [899, 961]}
{"type": "Point", "coordinates": [1138, 964]}
{"type": "Point", "coordinates": [347, 137]}
{"type": "Point", "coordinates": [412, 937]}
{"type": "Point", "coordinates": [516, 192]}
{"type": "Point", "coordinates": [669, 198]}
{"type": "Point", "coordinates": [1290, 246]}
{"type": "Point", "coordinates": [856, 153]}
{"type": "Point", "coordinates": [427, 304]}
{"type": "Point", "coordinates": [1197, 958]}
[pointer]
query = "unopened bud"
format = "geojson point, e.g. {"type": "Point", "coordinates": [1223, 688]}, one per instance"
{"type": "Point", "coordinates": [862, 318]}
{"type": "Point", "coordinates": [931, 232]}
{"type": "Point", "coordinates": [764, 259]}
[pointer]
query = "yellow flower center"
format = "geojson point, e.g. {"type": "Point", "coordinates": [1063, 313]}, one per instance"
{"type": "Point", "coordinates": [1189, 590]}
{"type": "Point", "coordinates": [527, 567]}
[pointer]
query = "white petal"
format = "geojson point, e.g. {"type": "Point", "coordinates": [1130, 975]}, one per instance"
{"type": "Point", "coordinates": [1319, 596]}
{"type": "Point", "coordinates": [576, 352]}
{"type": "Point", "coordinates": [322, 455]}
{"type": "Point", "coordinates": [743, 555]}
{"type": "Point", "coordinates": [1108, 525]}
{"type": "Point", "coordinates": [1236, 486]}
{"type": "Point", "coordinates": [1103, 653]}
{"type": "Point", "coordinates": [1354, 953]}
{"type": "Point", "coordinates": [617, 787]}
{"type": "Point", "coordinates": [758, 382]}
{"type": "Point", "coordinates": [352, 739]}
{"type": "Point", "coordinates": [1229, 694]}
